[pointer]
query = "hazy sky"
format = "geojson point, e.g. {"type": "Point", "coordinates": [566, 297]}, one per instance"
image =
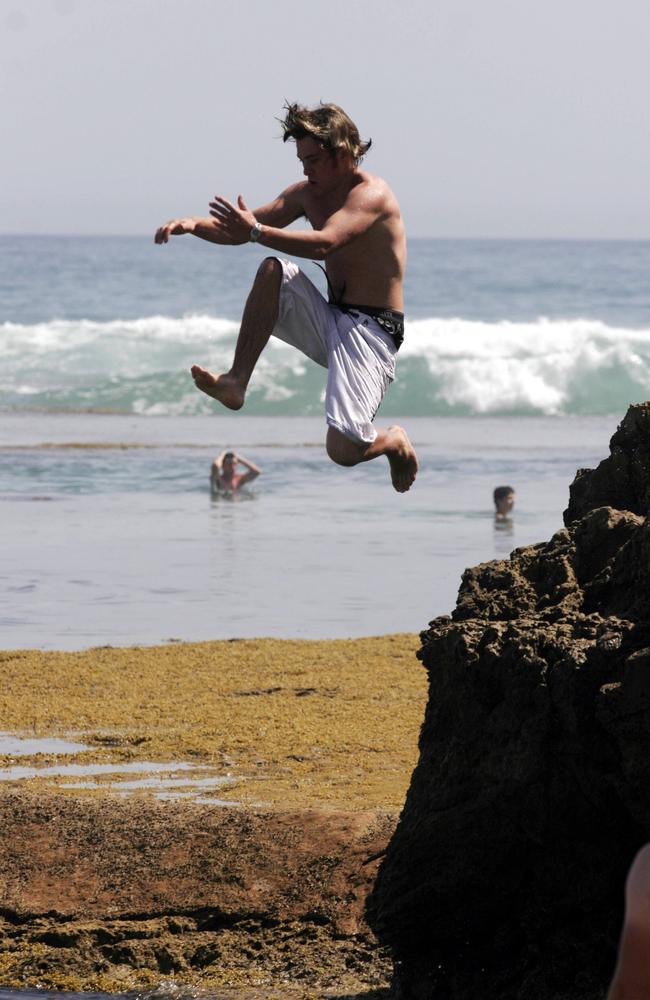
{"type": "Point", "coordinates": [488, 117]}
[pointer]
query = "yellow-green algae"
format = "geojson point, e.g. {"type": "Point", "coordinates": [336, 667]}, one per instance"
{"type": "Point", "coordinates": [298, 723]}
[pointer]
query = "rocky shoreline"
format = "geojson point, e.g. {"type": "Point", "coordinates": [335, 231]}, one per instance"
{"type": "Point", "coordinates": [263, 897]}
{"type": "Point", "coordinates": [504, 879]}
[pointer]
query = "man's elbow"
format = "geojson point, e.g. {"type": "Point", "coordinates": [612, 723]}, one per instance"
{"type": "Point", "coordinates": [326, 247]}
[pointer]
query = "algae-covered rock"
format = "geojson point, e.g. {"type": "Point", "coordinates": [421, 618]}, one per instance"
{"type": "Point", "coordinates": [504, 877]}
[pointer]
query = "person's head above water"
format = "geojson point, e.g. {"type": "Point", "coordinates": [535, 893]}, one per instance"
{"type": "Point", "coordinates": [328, 125]}
{"type": "Point", "coordinates": [504, 500]}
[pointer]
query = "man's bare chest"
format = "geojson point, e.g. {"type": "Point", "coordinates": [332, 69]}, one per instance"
{"type": "Point", "coordinates": [318, 219]}
{"type": "Point", "coordinates": [319, 211]}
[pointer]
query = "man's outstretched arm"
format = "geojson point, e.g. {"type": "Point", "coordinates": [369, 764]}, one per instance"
{"type": "Point", "coordinates": [363, 207]}
{"type": "Point", "coordinates": [231, 225]}
{"type": "Point", "coordinates": [280, 212]}
{"type": "Point", "coordinates": [194, 224]}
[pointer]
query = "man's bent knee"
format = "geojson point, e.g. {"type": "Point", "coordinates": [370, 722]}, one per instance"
{"type": "Point", "coordinates": [342, 450]}
{"type": "Point", "coordinates": [270, 268]}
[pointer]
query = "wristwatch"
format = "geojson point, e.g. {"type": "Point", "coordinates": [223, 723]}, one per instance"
{"type": "Point", "coordinates": [256, 232]}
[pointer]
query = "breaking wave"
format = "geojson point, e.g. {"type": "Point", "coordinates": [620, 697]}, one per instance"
{"type": "Point", "coordinates": [446, 367]}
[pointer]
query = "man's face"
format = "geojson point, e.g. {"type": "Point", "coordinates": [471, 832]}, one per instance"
{"type": "Point", "coordinates": [229, 465]}
{"type": "Point", "coordinates": [322, 170]}
{"type": "Point", "coordinates": [505, 504]}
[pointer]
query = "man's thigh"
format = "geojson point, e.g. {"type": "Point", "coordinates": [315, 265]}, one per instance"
{"type": "Point", "coordinates": [361, 368]}
{"type": "Point", "coordinates": [304, 317]}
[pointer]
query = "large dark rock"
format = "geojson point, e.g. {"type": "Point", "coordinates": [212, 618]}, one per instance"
{"type": "Point", "coordinates": [532, 792]}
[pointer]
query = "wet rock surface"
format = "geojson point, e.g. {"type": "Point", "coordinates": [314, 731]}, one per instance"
{"type": "Point", "coordinates": [504, 878]}
{"type": "Point", "coordinates": [121, 895]}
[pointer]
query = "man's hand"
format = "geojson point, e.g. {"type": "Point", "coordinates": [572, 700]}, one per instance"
{"type": "Point", "coordinates": [232, 224]}
{"type": "Point", "coordinates": [175, 227]}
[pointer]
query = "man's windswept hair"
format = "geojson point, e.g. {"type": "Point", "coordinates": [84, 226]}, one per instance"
{"type": "Point", "coordinates": [328, 124]}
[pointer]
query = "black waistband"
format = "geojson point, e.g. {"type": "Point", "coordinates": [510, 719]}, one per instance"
{"type": "Point", "coordinates": [390, 320]}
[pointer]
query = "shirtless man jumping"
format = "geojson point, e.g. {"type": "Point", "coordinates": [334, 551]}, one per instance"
{"type": "Point", "coordinates": [357, 231]}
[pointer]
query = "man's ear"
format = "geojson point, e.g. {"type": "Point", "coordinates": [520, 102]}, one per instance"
{"type": "Point", "coordinates": [343, 158]}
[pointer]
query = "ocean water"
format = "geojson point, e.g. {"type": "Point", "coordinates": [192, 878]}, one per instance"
{"type": "Point", "coordinates": [493, 327]}
{"type": "Point", "coordinates": [519, 360]}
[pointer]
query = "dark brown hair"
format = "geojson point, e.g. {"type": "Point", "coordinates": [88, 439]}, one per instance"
{"type": "Point", "coordinates": [328, 124]}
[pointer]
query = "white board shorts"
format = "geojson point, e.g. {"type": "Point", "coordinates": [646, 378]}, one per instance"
{"type": "Point", "coordinates": [358, 354]}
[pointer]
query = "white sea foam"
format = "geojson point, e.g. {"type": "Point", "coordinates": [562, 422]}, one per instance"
{"type": "Point", "coordinates": [549, 366]}
{"type": "Point", "coordinates": [445, 366]}
{"type": "Point", "coordinates": [64, 334]}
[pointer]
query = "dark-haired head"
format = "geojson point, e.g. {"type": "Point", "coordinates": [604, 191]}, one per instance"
{"type": "Point", "coordinates": [501, 492]}
{"type": "Point", "coordinates": [329, 125]}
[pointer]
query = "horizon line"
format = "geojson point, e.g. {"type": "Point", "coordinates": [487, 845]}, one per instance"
{"type": "Point", "coordinates": [439, 237]}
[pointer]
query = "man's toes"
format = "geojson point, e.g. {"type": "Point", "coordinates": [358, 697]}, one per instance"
{"type": "Point", "coordinates": [202, 377]}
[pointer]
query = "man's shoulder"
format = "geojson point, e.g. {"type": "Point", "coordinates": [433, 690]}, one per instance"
{"type": "Point", "coordinates": [373, 188]}
{"type": "Point", "coordinates": [295, 192]}
{"type": "Point", "coordinates": [373, 182]}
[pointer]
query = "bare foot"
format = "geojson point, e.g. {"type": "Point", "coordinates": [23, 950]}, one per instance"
{"type": "Point", "coordinates": [224, 388]}
{"type": "Point", "coordinates": [402, 458]}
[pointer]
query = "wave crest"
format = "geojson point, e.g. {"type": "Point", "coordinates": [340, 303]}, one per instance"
{"type": "Point", "coordinates": [446, 366]}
